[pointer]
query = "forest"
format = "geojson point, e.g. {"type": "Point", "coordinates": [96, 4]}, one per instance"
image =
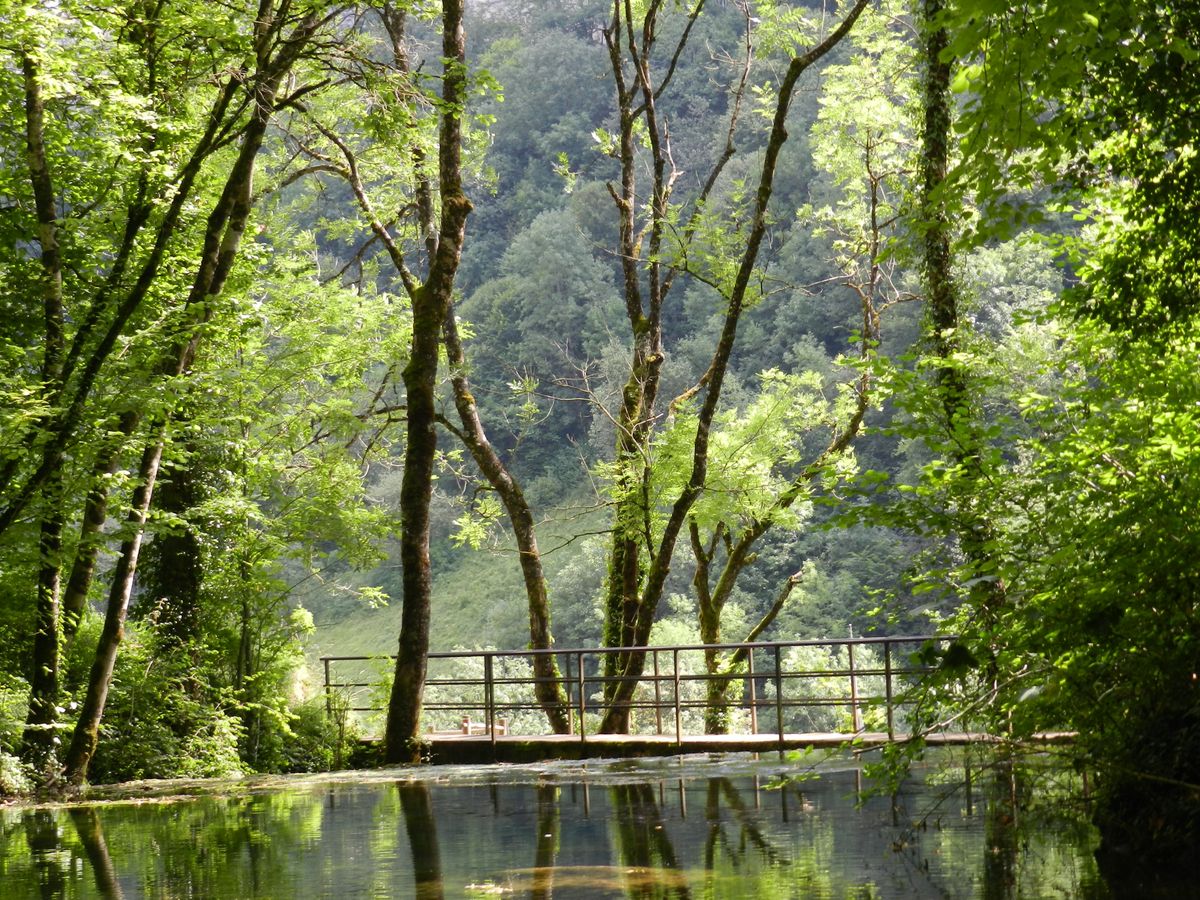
{"type": "Point", "coordinates": [365, 327]}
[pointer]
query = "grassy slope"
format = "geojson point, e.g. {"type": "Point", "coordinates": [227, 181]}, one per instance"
{"type": "Point", "coordinates": [479, 600]}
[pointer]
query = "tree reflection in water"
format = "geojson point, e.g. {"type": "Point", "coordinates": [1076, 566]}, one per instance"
{"type": "Point", "coordinates": [547, 842]}
{"type": "Point", "coordinates": [422, 838]}
{"type": "Point", "coordinates": [651, 869]}
{"type": "Point", "coordinates": [91, 836]}
{"type": "Point", "coordinates": [650, 831]}
{"type": "Point", "coordinates": [42, 836]}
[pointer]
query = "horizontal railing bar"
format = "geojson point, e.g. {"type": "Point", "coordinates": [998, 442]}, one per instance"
{"type": "Point", "coordinates": [575, 651]}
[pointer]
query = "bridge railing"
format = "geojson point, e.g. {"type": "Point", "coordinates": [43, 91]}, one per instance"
{"type": "Point", "coordinates": [846, 685]}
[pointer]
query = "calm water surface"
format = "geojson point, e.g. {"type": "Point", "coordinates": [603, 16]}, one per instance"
{"type": "Point", "coordinates": [687, 827]}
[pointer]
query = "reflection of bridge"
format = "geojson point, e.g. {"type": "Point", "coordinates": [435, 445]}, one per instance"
{"type": "Point", "coordinates": [480, 705]}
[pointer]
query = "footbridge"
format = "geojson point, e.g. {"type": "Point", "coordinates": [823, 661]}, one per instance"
{"type": "Point", "coordinates": [480, 705]}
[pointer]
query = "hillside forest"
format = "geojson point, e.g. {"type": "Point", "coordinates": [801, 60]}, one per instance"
{"type": "Point", "coordinates": [365, 327]}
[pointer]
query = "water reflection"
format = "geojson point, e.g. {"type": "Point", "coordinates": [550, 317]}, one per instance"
{"type": "Point", "coordinates": [733, 827]}
{"type": "Point", "coordinates": [422, 839]}
{"type": "Point", "coordinates": [547, 842]}
{"type": "Point", "coordinates": [644, 850]}
{"type": "Point", "coordinates": [91, 836]}
{"type": "Point", "coordinates": [42, 838]}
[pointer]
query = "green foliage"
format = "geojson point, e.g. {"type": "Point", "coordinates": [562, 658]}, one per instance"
{"type": "Point", "coordinates": [753, 451]}
{"type": "Point", "coordinates": [13, 694]}
{"type": "Point", "coordinates": [163, 721]}
{"type": "Point", "coordinates": [1104, 121]}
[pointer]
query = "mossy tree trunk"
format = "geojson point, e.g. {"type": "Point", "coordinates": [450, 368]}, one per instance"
{"type": "Point", "coordinates": [430, 302]}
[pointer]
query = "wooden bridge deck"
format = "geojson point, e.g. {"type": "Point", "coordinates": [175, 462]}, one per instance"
{"type": "Point", "coordinates": [475, 748]}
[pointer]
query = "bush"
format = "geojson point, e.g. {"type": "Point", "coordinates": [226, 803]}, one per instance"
{"type": "Point", "coordinates": [311, 740]}
{"type": "Point", "coordinates": [162, 721]}
{"type": "Point", "coordinates": [15, 779]}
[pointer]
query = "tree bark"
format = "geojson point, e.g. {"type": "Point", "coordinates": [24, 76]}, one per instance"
{"type": "Point", "coordinates": [430, 302]}
{"type": "Point", "coordinates": [39, 741]}
{"type": "Point", "coordinates": [86, 735]}
{"type": "Point", "coordinates": [548, 688]}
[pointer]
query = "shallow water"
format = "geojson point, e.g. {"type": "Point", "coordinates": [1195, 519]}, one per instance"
{"type": "Point", "coordinates": [686, 827]}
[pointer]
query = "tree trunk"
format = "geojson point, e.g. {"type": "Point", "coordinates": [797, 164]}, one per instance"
{"type": "Point", "coordinates": [222, 238]}
{"type": "Point", "coordinates": [39, 741]}
{"type": "Point", "coordinates": [91, 537]}
{"type": "Point", "coordinates": [87, 729]}
{"type": "Point", "coordinates": [172, 567]}
{"type": "Point", "coordinates": [430, 303]}
{"type": "Point", "coordinates": [548, 688]}
{"type": "Point", "coordinates": [960, 429]}
{"type": "Point", "coordinates": [416, 491]}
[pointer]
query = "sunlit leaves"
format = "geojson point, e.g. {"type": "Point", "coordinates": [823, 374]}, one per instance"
{"type": "Point", "coordinates": [753, 452]}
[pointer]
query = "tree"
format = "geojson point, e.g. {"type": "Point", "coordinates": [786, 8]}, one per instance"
{"type": "Point", "coordinates": [431, 302]}
{"type": "Point", "coordinates": [128, 112]}
{"type": "Point", "coordinates": [644, 538]}
{"type": "Point", "coordinates": [278, 43]}
{"type": "Point", "coordinates": [1094, 631]}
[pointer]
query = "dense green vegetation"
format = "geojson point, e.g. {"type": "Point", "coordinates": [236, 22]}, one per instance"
{"type": "Point", "coordinates": [320, 326]}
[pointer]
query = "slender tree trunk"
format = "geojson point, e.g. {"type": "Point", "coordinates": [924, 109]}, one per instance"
{"type": "Point", "coordinates": [430, 304]}
{"type": "Point", "coordinates": [91, 538]}
{"type": "Point", "coordinates": [547, 685]}
{"type": "Point", "coordinates": [39, 741]}
{"type": "Point", "coordinates": [87, 729]}
{"type": "Point", "coordinates": [960, 428]}
{"type": "Point", "coordinates": [416, 491]}
{"type": "Point", "coordinates": [631, 518]}
{"type": "Point", "coordinates": [716, 709]}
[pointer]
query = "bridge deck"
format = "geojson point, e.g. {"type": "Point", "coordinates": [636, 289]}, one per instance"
{"type": "Point", "coordinates": [461, 748]}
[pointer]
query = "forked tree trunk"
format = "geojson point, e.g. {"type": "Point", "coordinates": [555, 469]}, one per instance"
{"type": "Point", "coordinates": [639, 608]}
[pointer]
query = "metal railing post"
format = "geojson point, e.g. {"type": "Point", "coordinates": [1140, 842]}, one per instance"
{"type": "Point", "coordinates": [678, 713]}
{"type": "Point", "coordinates": [855, 714]}
{"type": "Point", "coordinates": [779, 694]}
{"type": "Point", "coordinates": [582, 696]}
{"type": "Point", "coordinates": [887, 688]}
{"type": "Point", "coordinates": [328, 695]}
{"type": "Point", "coordinates": [567, 685]}
{"type": "Point", "coordinates": [753, 693]}
{"type": "Point", "coordinates": [657, 697]}
{"type": "Point", "coordinates": [489, 696]}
